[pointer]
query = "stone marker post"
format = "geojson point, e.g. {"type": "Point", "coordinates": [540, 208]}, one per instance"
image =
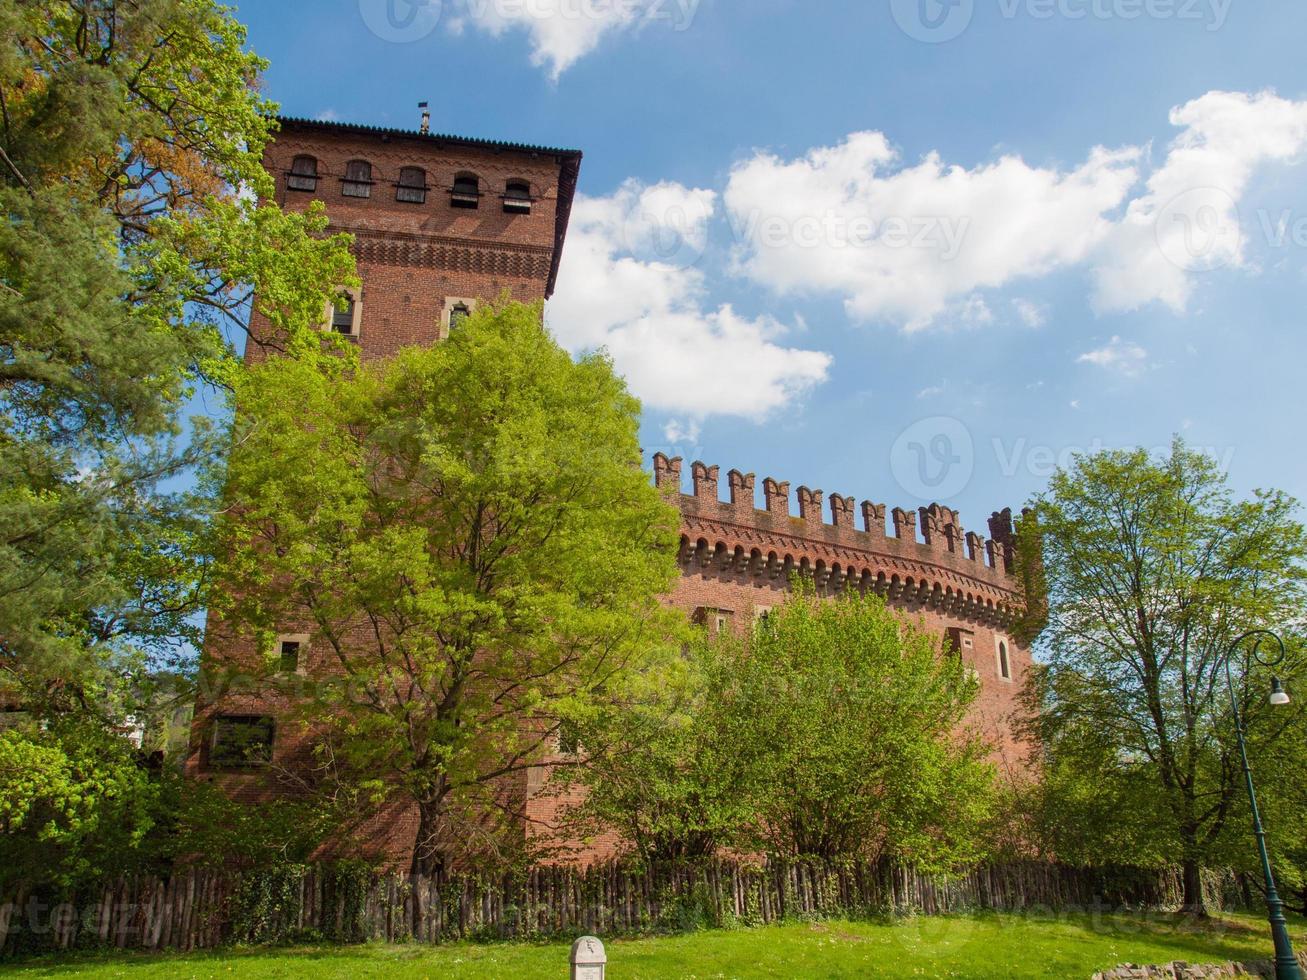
{"type": "Point", "coordinates": [588, 959]}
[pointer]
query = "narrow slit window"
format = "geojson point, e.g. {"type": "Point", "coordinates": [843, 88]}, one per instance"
{"type": "Point", "coordinates": [343, 315]}
{"type": "Point", "coordinates": [289, 656]}
{"type": "Point", "coordinates": [358, 179]}
{"type": "Point", "coordinates": [303, 174]}
{"type": "Point", "coordinates": [1004, 664]}
{"type": "Point", "coordinates": [412, 186]}
{"type": "Point", "coordinates": [458, 314]}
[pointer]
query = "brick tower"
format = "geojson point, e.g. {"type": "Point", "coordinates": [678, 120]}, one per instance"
{"type": "Point", "coordinates": [440, 224]}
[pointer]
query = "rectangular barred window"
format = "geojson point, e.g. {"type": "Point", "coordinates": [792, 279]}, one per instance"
{"type": "Point", "coordinates": [358, 179]}
{"type": "Point", "coordinates": [241, 741]}
{"type": "Point", "coordinates": [412, 186]}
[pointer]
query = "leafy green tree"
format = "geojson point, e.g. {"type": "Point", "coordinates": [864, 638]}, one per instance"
{"type": "Point", "coordinates": [869, 754]}
{"type": "Point", "coordinates": [75, 803]}
{"type": "Point", "coordinates": [658, 764]}
{"type": "Point", "coordinates": [131, 136]}
{"type": "Point", "coordinates": [835, 729]}
{"type": "Point", "coordinates": [1153, 568]}
{"type": "Point", "coordinates": [79, 805]}
{"type": "Point", "coordinates": [468, 535]}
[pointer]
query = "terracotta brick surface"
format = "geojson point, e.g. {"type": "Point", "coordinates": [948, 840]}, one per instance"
{"type": "Point", "coordinates": [734, 558]}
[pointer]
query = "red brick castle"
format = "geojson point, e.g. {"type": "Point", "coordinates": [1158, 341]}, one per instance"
{"type": "Point", "coordinates": [442, 223]}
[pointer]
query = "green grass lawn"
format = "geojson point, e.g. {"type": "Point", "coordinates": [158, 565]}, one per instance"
{"type": "Point", "coordinates": [998, 946]}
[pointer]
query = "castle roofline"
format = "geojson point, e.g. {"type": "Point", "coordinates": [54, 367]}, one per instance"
{"type": "Point", "coordinates": [569, 165]}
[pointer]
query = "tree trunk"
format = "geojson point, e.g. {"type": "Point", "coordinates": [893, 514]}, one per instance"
{"type": "Point", "coordinates": [1193, 889]}
{"type": "Point", "coordinates": [428, 862]}
{"type": "Point", "coordinates": [428, 854]}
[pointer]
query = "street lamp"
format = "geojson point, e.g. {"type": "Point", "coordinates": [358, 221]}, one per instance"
{"type": "Point", "coordinates": [1286, 964]}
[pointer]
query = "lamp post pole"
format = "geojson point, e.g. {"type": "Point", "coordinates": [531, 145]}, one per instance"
{"type": "Point", "coordinates": [1286, 964]}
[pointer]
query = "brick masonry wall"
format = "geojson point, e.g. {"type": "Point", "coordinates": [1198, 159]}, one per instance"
{"type": "Point", "coordinates": [735, 558]}
{"type": "Point", "coordinates": [413, 258]}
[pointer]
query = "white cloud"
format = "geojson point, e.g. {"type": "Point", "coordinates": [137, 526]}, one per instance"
{"type": "Point", "coordinates": [975, 312]}
{"type": "Point", "coordinates": [915, 244]}
{"type": "Point", "coordinates": [1189, 220]}
{"type": "Point", "coordinates": [628, 284]}
{"type": "Point", "coordinates": [677, 432]}
{"type": "Point", "coordinates": [931, 391]}
{"type": "Point", "coordinates": [1117, 355]}
{"type": "Point", "coordinates": [564, 31]}
{"type": "Point", "coordinates": [905, 243]}
{"type": "Point", "coordinates": [1030, 313]}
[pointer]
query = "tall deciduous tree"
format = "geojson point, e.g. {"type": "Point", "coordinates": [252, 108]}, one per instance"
{"type": "Point", "coordinates": [834, 729]}
{"type": "Point", "coordinates": [131, 136]}
{"type": "Point", "coordinates": [468, 534]}
{"type": "Point", "coordinates": [661, 764]}
{"type": "Point", "coordinates": [1153, 567]}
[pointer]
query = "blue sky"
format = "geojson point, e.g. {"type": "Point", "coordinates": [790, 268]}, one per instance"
{"type": "Point", "coordinates": [900, 249]}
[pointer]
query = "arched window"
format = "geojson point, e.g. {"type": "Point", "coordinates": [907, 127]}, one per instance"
{"type": "Point", "coordinates": [457, 314]}
{"type": "Point", "coordinates": [303, 174]}
{"type": "Point", "coordinates": [1004, 664]}
{"type": "Point", "coordinates": [466, 192]}
{"type": "Point", "coordinates": [412, 186]}
{"type": "Point", "coordinates": [358, 179]}
{"type": "Point", "coordinates": [346, 311]}
{"type": "Point", "coordinates": [517, 197]}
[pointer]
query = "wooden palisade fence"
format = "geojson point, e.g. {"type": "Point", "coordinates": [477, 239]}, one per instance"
{"type": "Point", "coordinates": [199, 909]}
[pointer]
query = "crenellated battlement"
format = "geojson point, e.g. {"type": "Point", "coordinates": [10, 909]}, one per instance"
{"type": "Point", "coordinates": [922, 555]}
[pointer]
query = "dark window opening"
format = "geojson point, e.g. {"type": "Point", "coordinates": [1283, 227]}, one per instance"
{"type": "Point", "coordinates": [289, 656]}
{"type": "Point", "coordinates": [241, 741]}
{"type": "Point", "coordinates": [303, 174]}
{"type": "Point", "coordinates": [412, 186]}
{"type": "Point", "coordinates": [569, 739]}
{"type": "Point", "coordinates": [358, 179]}
{"type": "Point", "coordinates": [1004, 665]}
{"type": "Point", "coordinates": [517, 197]}
{"type": "Point", "coordinates": [342, 315]}
{"type": "Point", "coordinates": [458, 314]}
{"type": "Point", "coordinates": [957, 640]}
{"type": "Point", "coordinates": [466, 192]}
{"type": "Point", "coordinates": [717, 621]}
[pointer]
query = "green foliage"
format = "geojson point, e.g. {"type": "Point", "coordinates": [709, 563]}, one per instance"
{"type": "Point", "coordinates": [658, 762]}
{"type": "Point", "coordinates": [468, 534]}
{"type": "Point", "coordinates": [131, 144]}
{"type": "Point", "coordinates": [75, 804]}
{"type": "Point", "coordinates": [79, 805]}
{"type": "Point", "coordinates": [268, 901]}
{"type": "Point", "coordinates": [1153, 568]}
{"type": "Point", "coordinates": [834, 730]}
{"type": "Point", "coordinates": [858, 716]}
{"type": "Point", "coordinates": [207, 828]}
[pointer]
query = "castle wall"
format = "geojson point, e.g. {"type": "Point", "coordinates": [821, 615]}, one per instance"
{"type": "Point", "coordinates": [416, 259]}
{"type": "Point", "coordinates": [736, 559]}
